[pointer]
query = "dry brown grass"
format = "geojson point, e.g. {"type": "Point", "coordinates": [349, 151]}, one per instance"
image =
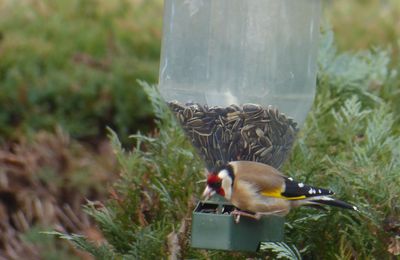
{"type": "Point", "coordinates": [44, 182]}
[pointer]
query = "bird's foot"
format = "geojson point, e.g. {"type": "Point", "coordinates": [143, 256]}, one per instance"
{"type": "Point", "coordinates": [237, 213]}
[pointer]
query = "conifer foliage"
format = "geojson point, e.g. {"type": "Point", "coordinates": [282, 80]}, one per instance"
{"type": "Point", "coordinates": [349, 143]}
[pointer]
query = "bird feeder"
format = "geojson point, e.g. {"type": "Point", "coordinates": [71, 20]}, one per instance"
{"type": "Point", "coordinates": [240, 78]}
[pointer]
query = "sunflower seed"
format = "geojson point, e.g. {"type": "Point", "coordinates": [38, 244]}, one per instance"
{"type": "Point", "coordinates": [247, 132]}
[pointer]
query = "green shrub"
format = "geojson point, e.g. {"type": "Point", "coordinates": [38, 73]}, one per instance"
{"type": "Point", "coordinates": [349, 143]}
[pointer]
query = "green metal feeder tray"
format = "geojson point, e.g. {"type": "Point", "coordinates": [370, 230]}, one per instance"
{"type": "Point", "coordinates": [213, 227]}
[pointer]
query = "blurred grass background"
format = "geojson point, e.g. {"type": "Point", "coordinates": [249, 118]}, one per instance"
{"type": "Point", "coordinates": [362, 24]}
{"type": "Point", "coordinates": [75, 63]}
{"type": "Point", "coordinates": [71, 67]}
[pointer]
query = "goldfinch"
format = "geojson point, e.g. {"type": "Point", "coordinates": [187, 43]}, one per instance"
{"type": "Point", "coordinates": [258, 189]}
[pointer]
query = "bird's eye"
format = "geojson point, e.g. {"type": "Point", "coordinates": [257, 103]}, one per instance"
{"type": "Point", "coordinates": [213, 181]}
{"type": "Point", "coordinates": [215, 185]}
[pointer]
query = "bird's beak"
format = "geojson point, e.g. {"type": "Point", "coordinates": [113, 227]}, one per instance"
{"type": "Point", "coordinates": [208, 192]}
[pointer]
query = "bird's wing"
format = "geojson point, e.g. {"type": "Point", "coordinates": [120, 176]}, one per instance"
{"type": "Point", "coordinates": [270, 182]}
{"type": "Point", "coordinates": [263, 177]}
{"type": "Point", "coordinates": [297, 190]}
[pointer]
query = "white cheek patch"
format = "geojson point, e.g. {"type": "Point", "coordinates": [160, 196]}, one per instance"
{"type": "Point", "coordinates": [226, 183]}
{"type": "Point", "coordinates": [223, 174]}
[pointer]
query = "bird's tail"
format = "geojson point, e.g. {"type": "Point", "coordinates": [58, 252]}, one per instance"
{"type": "Point", "coordinates": [325, 200]}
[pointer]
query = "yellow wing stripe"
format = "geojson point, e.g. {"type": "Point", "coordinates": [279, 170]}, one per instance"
{"type": "Point", "coordinates": [278, 194]}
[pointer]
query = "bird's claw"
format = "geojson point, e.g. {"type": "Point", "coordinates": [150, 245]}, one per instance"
{"type": "Point", "coordinates": [237, 218]}
{"type": "Point", "coordinates": [237, 214]}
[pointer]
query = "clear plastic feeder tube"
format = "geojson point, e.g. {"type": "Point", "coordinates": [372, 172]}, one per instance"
{"type": "Point", "coordinates": [239, 75]}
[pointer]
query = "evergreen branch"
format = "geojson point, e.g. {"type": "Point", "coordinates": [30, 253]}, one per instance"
{"type": "Point", "coordinates": [100, 252]}
{"type": "Point", "coordinates": [281, 250]}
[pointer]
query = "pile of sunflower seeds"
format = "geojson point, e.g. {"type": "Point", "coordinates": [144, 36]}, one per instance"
{"type": "Point", "coordinates": [248, 132]}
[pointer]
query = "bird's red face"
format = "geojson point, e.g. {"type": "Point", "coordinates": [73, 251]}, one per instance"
{"type": "Point", "coordinates": [214, 186]}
